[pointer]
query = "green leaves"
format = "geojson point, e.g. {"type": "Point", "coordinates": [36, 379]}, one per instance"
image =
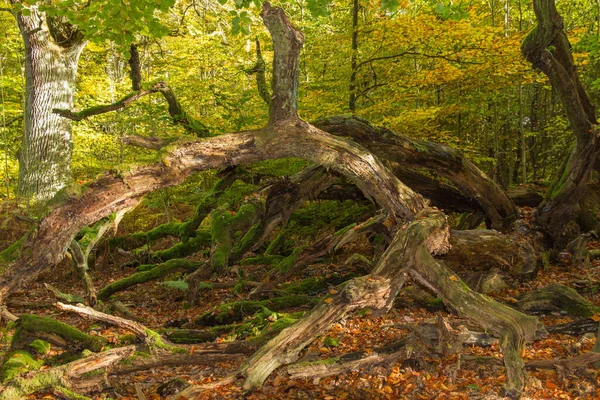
{"type": "Point", "coordinates": [390, 5]}
{"type": "Point", "coordinates": [449, 10]}
{"type": "Point", "coordinates": [240, 23]}
{"type": "Point", "coordinates": [118, 21]}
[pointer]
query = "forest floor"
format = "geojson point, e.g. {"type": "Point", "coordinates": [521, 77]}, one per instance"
{"type": "Point", "coordinates": [434, 376]}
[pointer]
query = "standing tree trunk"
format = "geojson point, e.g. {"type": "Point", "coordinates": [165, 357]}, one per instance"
{"type": "Point", "coordinates": [52, 49]}
{"type": "Point", "coordinates": [548, 49]}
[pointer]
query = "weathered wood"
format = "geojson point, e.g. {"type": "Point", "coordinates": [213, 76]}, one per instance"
{"type": "Point", "coordinates": [477, 250]}
{"type": "Point", "coordinates": [443, 160]}
{"type": "Point", "coordinates": [79, 376]}
{"type": "Point", "coordinates": [148, 336]}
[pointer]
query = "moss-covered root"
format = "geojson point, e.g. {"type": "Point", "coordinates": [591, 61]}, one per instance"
{"type": "Point", "coordinates": [17, 363]}
{"type": "Point", "coordinates": [223, 228]}
{"type": "Point", "coordinates": [184, 230]}
{"type": "Point", "coordinates": [83, 374]}
{"type": "Point", "coordinates": [31, 327]}
{"type": "Point", "coordinates": [184, 248]}
{"type": "Point", "coordinates": [236, 311]}
{"type": "Point", "coordinates": [557, 298]}
{"type": "Point", "coordinates": [145, 276]}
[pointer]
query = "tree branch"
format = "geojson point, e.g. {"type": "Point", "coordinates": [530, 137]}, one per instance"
{"type": "Point", "coordinates": [260, 70]}
{"type": "Point", "coordinates": [178, 115]}
{"type": "Point", "coordinates": [416, 53]}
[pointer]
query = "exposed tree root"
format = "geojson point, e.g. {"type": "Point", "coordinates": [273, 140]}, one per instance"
{"type": "Point", "coordinates": [157, 272]}
{"type": "Point", "coordinates": [148, 336]}
{"type": "Point", "coordinates": [236, 311]}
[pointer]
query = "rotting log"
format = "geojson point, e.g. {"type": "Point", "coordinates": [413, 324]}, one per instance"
{"type": "Point", "coordinates": [557, 297]}
{"type": "Point", "coordinates": [476, 250]}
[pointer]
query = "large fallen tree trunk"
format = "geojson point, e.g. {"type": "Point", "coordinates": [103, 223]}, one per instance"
{"type": "Point", "coordinates": [443, 160]}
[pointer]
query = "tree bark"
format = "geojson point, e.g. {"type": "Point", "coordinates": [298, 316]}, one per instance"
{"type": "Point", "coordinates": [52, 49]}
{"type": "Point", "coordinates": [442, 160]}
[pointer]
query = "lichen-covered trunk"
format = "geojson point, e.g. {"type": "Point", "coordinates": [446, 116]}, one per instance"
{"type": "Point", "coordinates": [50, 72]}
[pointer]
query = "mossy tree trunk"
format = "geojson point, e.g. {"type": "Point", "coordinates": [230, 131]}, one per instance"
{"type": "Point", "coordinates": [548, 49]}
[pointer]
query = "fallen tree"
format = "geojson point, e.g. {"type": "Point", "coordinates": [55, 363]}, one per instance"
{"type": "Point", "coordinates": [415, 230]}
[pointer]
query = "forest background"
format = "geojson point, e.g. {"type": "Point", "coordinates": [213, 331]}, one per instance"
{"type": "Point", "coordinates": [441, 71]}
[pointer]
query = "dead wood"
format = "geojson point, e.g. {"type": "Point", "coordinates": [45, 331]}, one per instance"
{"type": "Point", "coordinates": [79, 376]}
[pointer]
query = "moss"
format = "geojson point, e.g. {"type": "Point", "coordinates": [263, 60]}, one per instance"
{"type": "Point", "coordinates": [155, 340]}
{"type": "Point", "coordinates": [145, 276]}
{"type": "Point", "coordinates": [249, 239]}
{"type": "Point", "coordinates": [12, 252]}
{"type": "Point", "coordinates": [236, 311]}
{"type": "Point", "coordinates": [40, 346]}
{"type": "Point", "coordinates": [68, 394]}
{"type": "Point", "coordinates": [558, 185]}
{"type": "Point", "coordinates": [18, 362]}
{"type": "Point", "coordinates": [276, 244]}
{"type": "Point", "coordinates": [559, 297]}
{"type": "Point", "coordinates": [128, 339]}
{"type": "Point", "coordinates": [327, 361]}
{"type": "Point", "coordinates": [185, 248]}
{"type": "Point", "coordinates": [29, 323]}
{"type": "Point", "coordinates": [288, 262]}
{"type": "Point", "coordinates": [344, 230]}
{"type": "Point", "coordinates": [221, 238]}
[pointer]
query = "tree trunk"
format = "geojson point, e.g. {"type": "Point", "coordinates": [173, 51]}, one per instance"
{"type": "Point", "coordinates": [52, 50]}
{"type": "Point", "coordinates": [548, 49]}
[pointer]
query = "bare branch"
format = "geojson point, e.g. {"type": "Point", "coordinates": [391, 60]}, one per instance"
{"type": "Point", "coordinates": [178, 115]}
{"type": "Point", "coordinates": [138, 329]}
{"type": "Point", "coordinates": [446, 57]}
